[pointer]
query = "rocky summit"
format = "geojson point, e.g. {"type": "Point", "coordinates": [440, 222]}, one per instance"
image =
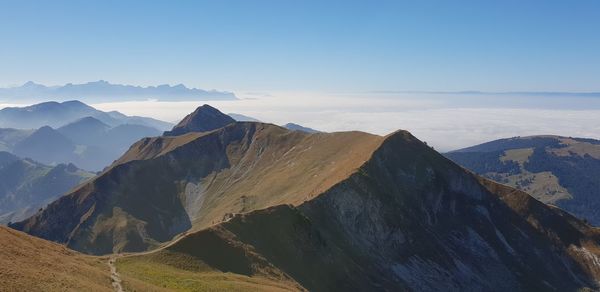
{"type": "Point", "coordinates": [203, 119]}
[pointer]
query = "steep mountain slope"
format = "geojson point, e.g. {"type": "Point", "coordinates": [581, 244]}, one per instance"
{"type": "Point", "coordinates": [26, 185]}
{"type": "Point", "coordinates": [407, 219]}
{"type": "Point", "coordinates": [32, 264]}
{"type": "Point", "coordinates": [203, 119]}
{"type": "Point", "coordinates": [55, 114]}
{"type": "Point", "coordinates": [197, 179]}
{"type": "Point", "coordinates": [557, 170]}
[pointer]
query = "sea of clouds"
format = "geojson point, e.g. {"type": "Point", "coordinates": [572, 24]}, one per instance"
{"type": "Point", "coordinates": [445, 121]}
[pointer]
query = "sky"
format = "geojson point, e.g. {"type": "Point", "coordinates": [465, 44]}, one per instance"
{"type": "Point", "coordinates": [374, 66]}
{"type": "Point", "coordinates": [345, 46]}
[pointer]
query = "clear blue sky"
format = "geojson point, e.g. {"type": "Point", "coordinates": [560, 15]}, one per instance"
{"type": "Point", "coordinates": [306, 45]}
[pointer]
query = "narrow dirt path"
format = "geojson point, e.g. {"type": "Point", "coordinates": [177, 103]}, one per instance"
{"type": "Point", "coordinates": [114, 276]}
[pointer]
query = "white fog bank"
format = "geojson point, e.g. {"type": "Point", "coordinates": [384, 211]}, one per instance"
{"type": "Point", "coordinates": [443, 123]}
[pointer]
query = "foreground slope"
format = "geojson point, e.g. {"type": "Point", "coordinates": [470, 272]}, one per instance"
{"type": "Point", "coordinates": [407, 219]}
{"type": "Point", "coordinates": [32, 264]}
{"type": "Point", "coordinates": [166, 185]}
{"type": "Point", "coordinates": [559, 170]}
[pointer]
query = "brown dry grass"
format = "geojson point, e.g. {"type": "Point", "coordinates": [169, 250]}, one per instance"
{"type": "Point", "coordinates": [576, 147]}
{"type": "Point", "coordinates": [270, 166]}
{"type": "Point", "coordinates": [155, 146]}
{"type": "Point", "coordinates": [520, 156]}
{"type": "Point", "coordinates": [32, 264]}
{"type": "Point", "coordinates": [283, 167]}
{"type": "Point", "coordinates": [543, 186]}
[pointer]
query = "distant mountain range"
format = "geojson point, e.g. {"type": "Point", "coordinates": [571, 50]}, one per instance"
{"type": "Point", "coordinates": [58, 114]}
{"type": "Point", "coordinates": [242, 118]}
{"type": "Point", "coordinates": [27, 185]}
{"type": "Point", "coordinates": [72, 132]}
{"type": "Point", "coordinates": [296, 127]}
{"type": "Point", "coordinates": [564, 171]}
{"type": "Point", "coordinates": [289, 126]}
{"type": "Point", "coordinates": [89, 145]}
{"type": "Point", "coordinates": [268, 208]}
{"type": "Point", "coordinates": [103, 91]}
{"type": "Point", "coordinates": [500, 93]}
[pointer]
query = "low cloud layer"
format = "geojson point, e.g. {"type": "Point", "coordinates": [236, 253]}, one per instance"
{"type": "Point", "coordinates": [434, 120]}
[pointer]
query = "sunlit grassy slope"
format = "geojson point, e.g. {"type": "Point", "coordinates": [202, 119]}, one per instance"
{"type": "Point", "coordinates": [166, 270]}
{"type": "Point", "coordinates": [32, 264]}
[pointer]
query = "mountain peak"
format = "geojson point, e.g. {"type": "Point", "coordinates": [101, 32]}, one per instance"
{"type": "Point", "coordinates": [90, 120]}
{"type": "Point", "coordinates": [205, 118]}
{"type": "Point", "coordinates": [45, 129]}
{"type": "Point", "coordinates": [85, 125]}
{"type": "Point", "coordinates": [74, 103]}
